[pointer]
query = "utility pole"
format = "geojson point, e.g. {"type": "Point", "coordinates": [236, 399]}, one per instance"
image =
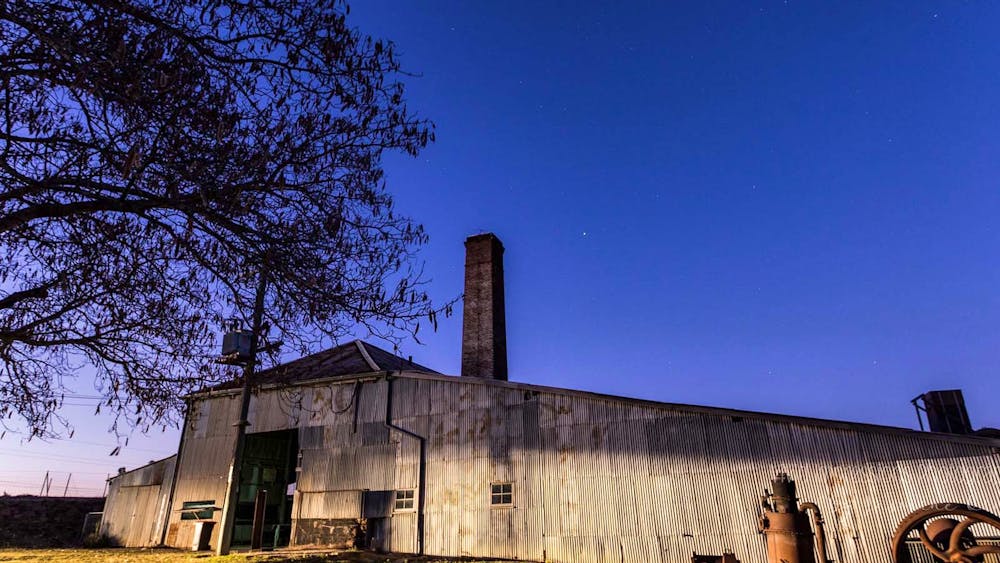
{"type": "Point", "coordinates": [45, 483]}
{"type": "Point", "coordinates": [66, 490]}
{"type": "Point", "coordinates": [232, 486]}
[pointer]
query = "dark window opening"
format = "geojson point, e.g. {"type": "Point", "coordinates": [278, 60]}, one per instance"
{"type": "Point", "coordinates": [404, 500]}
{"type": "Point", "coordinates": [501, 494]}
{"type": "Point", "coordinates": [198, 510]}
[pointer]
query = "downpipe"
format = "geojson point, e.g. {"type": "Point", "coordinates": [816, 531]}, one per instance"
{"type": "Point", "coordinates": [423, 461]}
{"type": "Point", "coordinates": [817, 520]}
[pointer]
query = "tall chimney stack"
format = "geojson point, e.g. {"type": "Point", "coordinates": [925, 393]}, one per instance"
{"type": "Point", "coordinates": [484, 328]}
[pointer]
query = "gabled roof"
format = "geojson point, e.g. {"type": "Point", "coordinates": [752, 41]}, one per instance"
{"type": "Point", "coordinates": [353, 358]}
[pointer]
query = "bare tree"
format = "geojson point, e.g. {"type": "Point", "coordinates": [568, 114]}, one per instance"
{"type": "Point", "coordinates": [156, 156]}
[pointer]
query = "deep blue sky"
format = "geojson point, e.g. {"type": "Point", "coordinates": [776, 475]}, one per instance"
{"type": "Point", "coordinates": [788, 207]}
{"type": "Point", "coordinates": [783, 207]}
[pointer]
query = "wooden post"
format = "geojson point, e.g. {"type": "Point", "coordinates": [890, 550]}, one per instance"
{"type": "Point", "coordinates": [232, 487]}
{"type": "Point", "coordinates": [257, 535]}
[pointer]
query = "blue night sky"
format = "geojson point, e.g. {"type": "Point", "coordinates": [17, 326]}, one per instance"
{"type": "Point", "coordinates": [786, 207]}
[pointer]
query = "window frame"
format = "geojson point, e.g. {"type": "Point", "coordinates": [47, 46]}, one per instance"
{"type": "Point", "coordinates": [404, 496]}
{"type": "Point", "coordinates": [198, 510]}
{"type": "Point", "coordinates": [502, 494]}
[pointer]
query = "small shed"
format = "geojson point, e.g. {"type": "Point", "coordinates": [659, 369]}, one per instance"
{"type": "Point", "coordinates": [136, 507]}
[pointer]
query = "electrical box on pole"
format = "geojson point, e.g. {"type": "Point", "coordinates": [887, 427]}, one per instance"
{"type": "Point", "coordinates": [236, 345]}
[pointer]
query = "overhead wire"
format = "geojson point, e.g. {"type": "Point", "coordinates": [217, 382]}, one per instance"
{"type": "Point", "coordinates": [57, 472]}
{"type": "Point", "coordinates": [87, 461]}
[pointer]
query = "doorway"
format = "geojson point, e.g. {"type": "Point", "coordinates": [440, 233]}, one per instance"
{"type": "Point", "coordinates": [268, 466]}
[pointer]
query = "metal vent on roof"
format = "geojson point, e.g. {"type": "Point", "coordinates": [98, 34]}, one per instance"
{"type": "Point", "coordinates": [945, 411]}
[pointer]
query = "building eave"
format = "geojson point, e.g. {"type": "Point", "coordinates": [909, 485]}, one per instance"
{"type": "Point", "coordinates": [672, 407]}
{"type": "Point", "coordinates": [715, 411]}
{"type": "Point", "coordinates": [117, 475]}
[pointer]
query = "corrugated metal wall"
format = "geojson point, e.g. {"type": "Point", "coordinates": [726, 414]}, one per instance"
{"type": "Point", "coordinates": [596, 478]}
{"type": "Point", "coordinates": [203, 468]}
{"type": "Point", "coordinates": [136, 506]}
{"type": "Point", "coordinates": [645, 483]}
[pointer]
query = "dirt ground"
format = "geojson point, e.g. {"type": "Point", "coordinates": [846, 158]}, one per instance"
{"type": "Point", "coordinates": [177, 556]}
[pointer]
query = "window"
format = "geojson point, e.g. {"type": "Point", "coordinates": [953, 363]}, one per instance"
{"type": "Point", "coordinates": [501, 494]}
{"type": "Point", "coordinates": [198, 510]}
{"type": "Point", "coordinates": [404, 500]}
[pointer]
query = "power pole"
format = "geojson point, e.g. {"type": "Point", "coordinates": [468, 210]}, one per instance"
{"type": "Point", "coordinates": [232, 486]}
{"type": "Point", "coordinates": [45, 483]}
{"type": "Point", "coordinates": [66, 490]}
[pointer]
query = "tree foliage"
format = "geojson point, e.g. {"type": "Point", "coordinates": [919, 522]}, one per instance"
{"type": "Point", "coordinates": [156, 156]}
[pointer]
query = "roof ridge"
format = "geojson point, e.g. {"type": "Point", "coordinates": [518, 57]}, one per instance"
{"type": "Point", "coordinates": [364, 353]}
{"type": "Point", "coordinates": [350, 357]}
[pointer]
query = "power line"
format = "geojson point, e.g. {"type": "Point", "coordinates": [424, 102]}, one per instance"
{"type": "Point", "coordinates": [35, 471]}
{"type": "Point", "coordinates": [71, 441]}
{"type": "Point", "coordinates": [109, 446]}
{"type": "Point", "coordinates": [88, 461]}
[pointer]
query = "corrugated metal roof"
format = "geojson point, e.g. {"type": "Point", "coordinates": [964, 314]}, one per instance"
{"type": "Point", "coordinates": [353, 358]}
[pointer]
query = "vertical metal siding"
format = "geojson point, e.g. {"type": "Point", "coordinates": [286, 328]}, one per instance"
{"type": "Point", "coordinates": [596, 479]}
{"type": "Point", "coordinates": [136, 506]}
{"type": "Point", "coordinates": [328, 504]}
{"type": "Point", "coordinates": [204, 463]}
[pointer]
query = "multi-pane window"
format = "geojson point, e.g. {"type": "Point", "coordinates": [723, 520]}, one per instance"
{"type": "Point", "coordinates": [404, 500]}
{"type": "Point", "coordinates": [501, 494]}
{"type": "Point", "coordinates": [197, 510]}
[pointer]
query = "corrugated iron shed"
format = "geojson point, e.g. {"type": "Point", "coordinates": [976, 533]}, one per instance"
{"type": "Point", "coordinates": [594, 477]}
{"type": "Point", "coordinates": [135, 509]}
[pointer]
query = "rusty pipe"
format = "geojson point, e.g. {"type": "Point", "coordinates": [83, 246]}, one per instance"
{"type": "Point", "coordinates": [817, 519]}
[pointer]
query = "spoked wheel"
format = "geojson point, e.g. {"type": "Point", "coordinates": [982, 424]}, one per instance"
{"type": "Point", "coordinates": [943, 530]}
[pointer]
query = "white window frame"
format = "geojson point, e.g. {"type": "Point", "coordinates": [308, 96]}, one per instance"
{"type": "Point", "coordinates": [502, 491]}
{"type": "Point", "coordinates": [402, 497]}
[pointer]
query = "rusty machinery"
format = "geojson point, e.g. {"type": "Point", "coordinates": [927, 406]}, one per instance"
{"type": "Point", "coordinates": [946, 537]}
{"type": "Point", "coordinates": [786, 527]}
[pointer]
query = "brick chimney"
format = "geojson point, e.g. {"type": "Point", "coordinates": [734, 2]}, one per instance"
{"type": "Point", "coordinates": [484, 329]}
